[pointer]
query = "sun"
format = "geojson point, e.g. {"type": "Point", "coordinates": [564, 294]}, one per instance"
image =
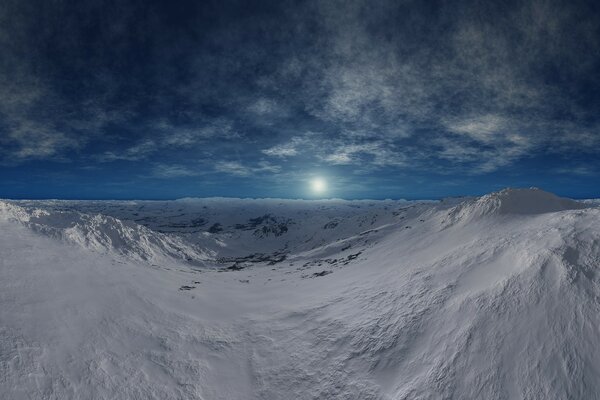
{"type": "Point", "coordinates": [318, 185]}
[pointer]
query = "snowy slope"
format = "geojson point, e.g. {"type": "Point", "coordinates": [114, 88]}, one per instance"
{"type": "Point", "coordinates": [230, 228]}
{"type": "Point", "coordinates": [492, 298]}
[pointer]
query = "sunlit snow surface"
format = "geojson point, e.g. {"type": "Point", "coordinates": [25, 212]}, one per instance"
{"type": "Point", "coordinates": [493, 298]}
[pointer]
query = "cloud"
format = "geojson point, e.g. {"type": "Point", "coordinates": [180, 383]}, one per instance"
{"type": "Point", "coordinates": [137, 152]}
{"type": "Point", "coordinates": [25, 135]}
{"type": "Point", "coordinates": [581, 170]}
{"type": "Point", "coordinates": [484, 143]}
{"type": "Point", "coordinates": [169, 137]}
{"type": "Point", "coordinates": [29, 140]}
{"type": "Point", "coordinates": [466, 86]}
{"type": "Point", "coordinates": [266, 107]}
{"type": "Point", "coordinates": [265, 166]}
{"type": "Point", "coordinates": [281, 150]}
{"type": "Point", "coordinates": [485, 129]}
{"type": "Point", "coordinates": [173, 171]}
{"type": "Point", "coordinates": [236, 168]}
{"type": "Point", "coordinates": [174, 135]}
{"type": "Point", "coordinates": [569, 137]}
{"type": "Point", "coordinates": [351, 148]}
{"type": "Point", "coordinates": [233, 168]}
{"type": "Point", "coordinates": [378, 154]}
{"type": "Point", "coordinates": [291, 148]}
{"type": "Point", "coordinates": [464, 79]}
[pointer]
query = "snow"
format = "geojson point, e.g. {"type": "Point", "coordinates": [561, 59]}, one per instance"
{"type": "Point", "coordinates": [514, 201]}
{"type": "Point", "coordinates": [495, 298]}
{"type": "Point", "coordinates": [106, 234]}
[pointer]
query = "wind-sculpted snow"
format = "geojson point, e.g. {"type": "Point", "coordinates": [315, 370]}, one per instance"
{"type": "Point", "coordinates": [103, 233]}
{"type": "Point", "coordinates": [503, 305]}
{"type": "Point", "coordinates": [513, 201]}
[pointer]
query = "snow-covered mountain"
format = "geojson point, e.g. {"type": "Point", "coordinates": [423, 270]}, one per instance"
{"type": "Point", "coordinates": [205, 230]}
{"type": "Point", "coordinates": [106, 234]}
{"type": "Point", "coordinates": [493, 298]}
{"type": "Point", "coordinates": [513, 201]}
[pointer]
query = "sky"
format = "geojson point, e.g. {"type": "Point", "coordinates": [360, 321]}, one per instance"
{"type": "Point", "coordinates": [378, 98]}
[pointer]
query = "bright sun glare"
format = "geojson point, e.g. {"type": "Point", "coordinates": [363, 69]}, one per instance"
{"type": "Point", "coordinates": [318, 185]}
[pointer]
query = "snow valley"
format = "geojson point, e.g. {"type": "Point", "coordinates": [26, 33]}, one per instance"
{"type": "Point", "coordinates": [494, 297]}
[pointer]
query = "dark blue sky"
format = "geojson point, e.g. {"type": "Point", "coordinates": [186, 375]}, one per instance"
{"type": "Point", "coordinates": [412, 99]}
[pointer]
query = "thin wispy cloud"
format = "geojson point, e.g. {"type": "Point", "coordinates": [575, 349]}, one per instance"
{"type": "Point", "coordinates": [350, 87]}
{"type": "Point", "coordinates": [174, 171]}
{"type": "Point", "coordinates": [237, 168]}
{"type": "Point", "coordinates": [134, 153]}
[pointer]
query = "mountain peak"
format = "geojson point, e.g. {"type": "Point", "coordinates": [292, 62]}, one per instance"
{"type": "Point", "coordinates": [520, 201]}
{"type": "Point", "coordinates": [526, 201]}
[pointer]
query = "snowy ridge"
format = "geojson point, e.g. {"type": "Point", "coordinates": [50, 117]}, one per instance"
{"type": "Point", "coordinates": [511, 201]}
{"type": "Point", "coordinates": [234, 228]}
{"type": "Point", "coordinates": [107, 234]}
